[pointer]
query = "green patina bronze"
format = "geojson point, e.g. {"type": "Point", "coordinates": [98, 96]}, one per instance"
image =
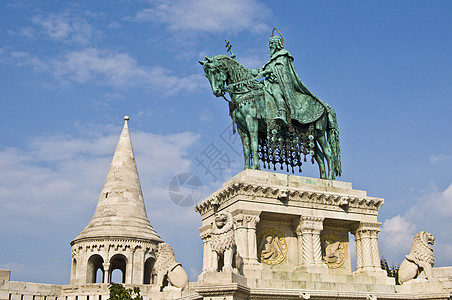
{"type": "Point", "coordinates": [279, 120]}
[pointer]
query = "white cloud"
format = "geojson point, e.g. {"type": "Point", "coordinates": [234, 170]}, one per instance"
{"type": "Point", "coordinates": [105, 67]}
{"type": "Point", "coordinates": [49, 190]}
{"type": "Point", "coordinates": [396, 238]}
{"type": "Point", "coordinates": [435, 158]}
{"type": "Point", "coordinates": [119, 70]}
{"type": "Point", "coordinates": [431, 212]}
{"type": "Point", "coordinates": [58, 177]}
{"type": "Point", "coordinates": [207, 15]}
{"type": "Point", "coordinates": [64, 27]}
{"type": "Point", "coordinates": [25, 59]}
{"type": "Point", "coordinates": [206, 116]}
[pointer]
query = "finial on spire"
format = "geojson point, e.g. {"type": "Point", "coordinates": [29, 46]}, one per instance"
{"type": "Point", "coordinates": [126, 118]}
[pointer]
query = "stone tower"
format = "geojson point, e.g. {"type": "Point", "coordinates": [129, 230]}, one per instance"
{"type": "Point", "coordinates": [119, 236]}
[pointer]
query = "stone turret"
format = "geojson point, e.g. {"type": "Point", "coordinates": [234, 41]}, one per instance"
{"type": "Point", "coordinates": [119, 236]}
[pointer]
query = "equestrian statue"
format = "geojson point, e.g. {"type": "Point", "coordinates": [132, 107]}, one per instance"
{"type": "Point", "coordinates": [278, 119]}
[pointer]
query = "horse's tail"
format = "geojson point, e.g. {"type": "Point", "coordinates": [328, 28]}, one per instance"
{"type": "Point", "coordinates": [333, 140]}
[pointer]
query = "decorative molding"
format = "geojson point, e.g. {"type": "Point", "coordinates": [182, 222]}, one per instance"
{"type": "Point", "coordinates": [100, 246]}
{"type": "Point", "coordinates": [291, 194]}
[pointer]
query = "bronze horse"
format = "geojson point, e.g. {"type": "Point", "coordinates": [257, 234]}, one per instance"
{"type": "Point", "coordinates": [266, 139]}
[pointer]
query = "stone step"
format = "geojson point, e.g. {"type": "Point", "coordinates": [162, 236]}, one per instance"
{"type": "Point", "coordinates": [322, 285]}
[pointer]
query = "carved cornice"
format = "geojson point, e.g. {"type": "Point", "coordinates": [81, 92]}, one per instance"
{"type": "Point", "coordinates": [333, 200]}
{"type": "Point", "coordinates": [103, 239]}
{"type": "Point", "coordinates": [114, 245]}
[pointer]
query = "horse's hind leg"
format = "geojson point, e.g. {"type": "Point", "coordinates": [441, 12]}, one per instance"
{"type": "Point", "coordinates": [327, 153]}
{"type": "Point", "coordinates": [319, 158]}
{"type": "Point", "coordinates": [326, 149]}
{"type": "Point", "coordinates": [246, 147]}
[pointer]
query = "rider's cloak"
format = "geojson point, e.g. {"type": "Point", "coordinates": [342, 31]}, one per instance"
{"type": "Point", "coordinates": [301, 104]}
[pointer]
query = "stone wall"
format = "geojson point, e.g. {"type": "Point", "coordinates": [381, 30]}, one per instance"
{"type": "Point", "coordinates": [16, 290]}
{"type": "Point", "coordinates": [444, 275]}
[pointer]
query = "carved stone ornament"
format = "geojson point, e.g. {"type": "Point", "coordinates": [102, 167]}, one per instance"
{"type": "Point", "coordinates": [166, 265]}
{"type": "Point", "coordinates": [418, 264]}
{"type": "Point", "coordinates": [222, 235]}
{"type": "Point", "coordinates": [320, 199]}
{"type": "Point", "coordinates": [272, 246]}
{"type": "Point", "coordinates": [333, 251]}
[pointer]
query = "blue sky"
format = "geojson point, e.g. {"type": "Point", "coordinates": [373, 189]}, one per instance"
{"type": "Point", "coordinates": [72, 69]}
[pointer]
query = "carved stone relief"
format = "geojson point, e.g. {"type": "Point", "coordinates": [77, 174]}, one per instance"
{"type": "Point", "coordinates": [333, 251]}
{"type": "Point", "coordinates": [272, 246]}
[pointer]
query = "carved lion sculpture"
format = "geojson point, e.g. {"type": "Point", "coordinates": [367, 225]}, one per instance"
{"type": "Point", "coordinates": [222, 243]}
{"type": "Point", "coordinates": [418, 264]}
{"type": "Point", "coordinates": [168, 268]}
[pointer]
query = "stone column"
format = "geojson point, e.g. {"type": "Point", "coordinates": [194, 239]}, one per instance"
{"type": "Point", "coordinates": [138, 265]}
{"type": "Point", "coordinates": [251, 222]}
{"type": "Point", "coordinates": [207, 250]}
{"type": "Point", "coordinates": [367, 254]}
{"type": "Point", "coordinates": [241, 236]}
{"type": "Point", "coordinates": [359, 257]}
{"type": "Point", "coordinates": [308, 235]}
{"type": "Point", "coordinates": [374, 245]}
{"type": "Point", "coordinates": [106, 272]}
{"type": "Point", "coordinates": [129, 268]}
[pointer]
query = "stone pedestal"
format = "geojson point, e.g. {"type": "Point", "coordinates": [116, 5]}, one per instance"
{"type": "Point", "coordinates": [291, 240]}
{"type": "Point", "coordinates": [287, 227]}
{"type": "Point", "coordinates": [421, 288]}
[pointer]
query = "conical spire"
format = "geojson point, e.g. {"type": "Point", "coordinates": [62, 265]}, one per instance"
{"type": "Point", "coordinates": [120, 211]}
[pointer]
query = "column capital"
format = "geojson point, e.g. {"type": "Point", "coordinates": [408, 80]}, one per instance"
{"type": "Point", "coordinates": [367, 229]}
{"type": "Point", "coordinates": [246, 220]}
{"type": "Point", "coordinates": [251, 221]}
{"type": "Point", "coordinates": [309, 223]}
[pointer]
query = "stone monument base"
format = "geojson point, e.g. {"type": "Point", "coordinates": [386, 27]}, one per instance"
{"type": "Point", "coordinates": [287, 237]}
{"type": "Point", "coordinates": [420, 287]}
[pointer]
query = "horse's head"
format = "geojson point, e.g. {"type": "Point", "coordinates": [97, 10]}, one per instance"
{"type": "Point", "coordinates": [215, 75]}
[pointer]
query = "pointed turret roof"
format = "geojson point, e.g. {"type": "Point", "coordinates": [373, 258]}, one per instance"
{"type": "Point", "coordinates": [120, 211]}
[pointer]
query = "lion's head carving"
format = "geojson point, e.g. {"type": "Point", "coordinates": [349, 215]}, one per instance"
{"type": "Point", "coordinates": [421, 250]}
{"type": "Point", "coordinates": [222, 235]}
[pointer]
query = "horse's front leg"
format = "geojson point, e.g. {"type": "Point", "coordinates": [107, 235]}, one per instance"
{"type": "Point", "coordinates": [246, 147]}
{"type": "Point", "coordinates": [241, 128]}
{"type": "Point", "coordinates": [252, 124]}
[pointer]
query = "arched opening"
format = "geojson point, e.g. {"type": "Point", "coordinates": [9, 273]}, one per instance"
{"type": "Point", "coordinates": [73, 270]}
{"type": "Point", "coordinates": [352, 249]}
{"type": "Point", "coordinates": [149, 272]}
{"type": "Point", "coordinates": [118, 262]}
{"type": "Point", "coordinates": [95, 263]}
{"type": "Point", "coordinates": [117, 276]}
{"type": "Point", "coordinates": [100, 276]}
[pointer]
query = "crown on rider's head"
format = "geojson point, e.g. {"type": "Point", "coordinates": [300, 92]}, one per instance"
{"type": "Point", "coordinates": [275, 38]}
{"type": "Point", "coordinates": [278, 38]}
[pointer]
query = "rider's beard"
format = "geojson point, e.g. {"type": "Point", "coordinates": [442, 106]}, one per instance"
{"type": "Point", "coordinates": [272, 50]}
